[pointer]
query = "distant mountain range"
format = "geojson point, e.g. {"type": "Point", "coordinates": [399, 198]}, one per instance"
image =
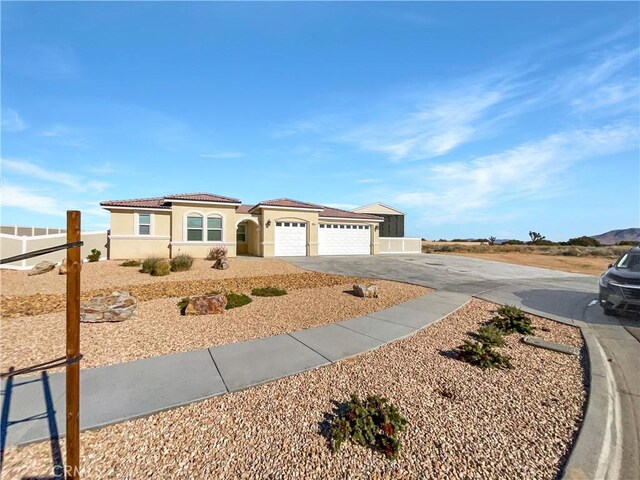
{"type": "Point", "coordinates": [615, 236]}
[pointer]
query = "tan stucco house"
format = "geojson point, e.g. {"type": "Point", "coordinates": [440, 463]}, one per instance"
{"type": "Point", "coordinates": [192, 223]}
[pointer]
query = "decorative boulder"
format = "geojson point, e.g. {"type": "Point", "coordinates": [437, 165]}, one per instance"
{"type": "Point", "coordinates": [206, 305]}
{"type": "Point", "coordinates": [370, 291]}
{"type": "Point", "coordinates": [62, 270]}
{"type": "Point", "coordinates": [42, 267]}
{"type": "Point", "coordinates": [221, 264]}
{"type": "Point", "coordinates": [116, 307]}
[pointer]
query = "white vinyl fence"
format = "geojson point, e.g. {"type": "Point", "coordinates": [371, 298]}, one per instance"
{"type": "Point", "coordinates": [400, 245]}
{"type": "Point", "coordinates": [11, 245]}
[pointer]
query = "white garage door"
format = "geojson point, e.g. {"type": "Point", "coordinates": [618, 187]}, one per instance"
{"type": "Point", "coordinates": [342, 239]}
{"type": "Point", "coordinates": [291, 239]}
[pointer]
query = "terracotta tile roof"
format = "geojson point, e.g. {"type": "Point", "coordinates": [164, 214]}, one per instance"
{"type": "Point", "coordinates": [287, 202]}
{"type": "Point", "coordinates": [157, 202]}
{"type": "Point", "coordinates": [244, 208]}
{"type": "Point", "coordinates": [202, 197]}
{"type": "Point", "coordinates": [161, 202]}
{"type": "Point", "coordinates": [339, 213]}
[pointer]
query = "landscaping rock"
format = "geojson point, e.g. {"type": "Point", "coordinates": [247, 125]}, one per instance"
{"type": "Point", "coordinates": [116, 307]}
{"type": "Point", "coordinates": [370, 291]}
{"type": "Point", "coordinates": [206, 305]}
{"type": "Point", "coordinates": [62, 270]}
{"type": "Point", "coordinates": [42, 267]}
{"type": "Point", "coordinates": [221, 264]}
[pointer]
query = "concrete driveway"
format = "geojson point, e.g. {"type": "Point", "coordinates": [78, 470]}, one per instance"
{"type": "Point", "coordinates": [566, 297]}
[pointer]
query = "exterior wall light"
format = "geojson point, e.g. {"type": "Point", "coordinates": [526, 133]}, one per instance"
{"type": "Point", "coordinates": [268, 224]}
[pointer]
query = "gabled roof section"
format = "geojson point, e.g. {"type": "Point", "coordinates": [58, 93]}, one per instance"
{"type": "Point", "coordinates": [165, 202]}
{"type": "Point", "coordinates": [156, 202]}
{"type": "Point", "coordinates": [288, 203]}
{"type": "Point", "coordinates": [244, 208]}
{"type": "Point", "coordinates": [379, 208]}
{"type": "Point", "coordinates": [201, 197]}
{"type": "Point", "coordinates": [330, 212]}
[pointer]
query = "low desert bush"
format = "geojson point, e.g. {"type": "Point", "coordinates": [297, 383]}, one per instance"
{"type": "Point", "coordinates": [161, 269]}
{"type": "Point", "coordinates": [130, 263]}
{"type": "Point", "coordinates": [235, 300]}
{"type": "Point", "coordinates": [149, 264]}
{"type": "Point", "coordinates": [491, 336]}
{"type": "Point", "coordinates": [182, 304]}
{"type": "Point", "coordinates": [572, 252]}
{"type": "Point", "coordinates": [268, 292]}
{"type": "Point", "coordinates": [181, 262]}
{"type": "Point", "coordinates": [94, 256]}
{"type": "Point", "coordinates": [482, 355]}
{"type": "Point", "coordinates": [216, 253]}
{"type": "Point", "coordinates": [374, 423]}
{"type": "Point", "coordinates": [509, 319]}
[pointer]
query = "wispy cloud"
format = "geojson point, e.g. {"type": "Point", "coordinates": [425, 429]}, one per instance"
{"type": "Point", "coordinates": [63, 135]}
{"type": "Point", "coordinates": [45, 61]}
{"type": "Point", "coordinates": [440, 124]}
{"type": "Point", "coordinates": [222, 155]}
{"type": "Point", "coordinates": [33, 171]}
{"type": "Point", "coordinates": [12, 121]}
{"type": "Point", "coordinates": [465, 190]}
{"type": "Point", "coordinates": [433, 122]}
{"type": "Point", "coordinates": [26, 199]}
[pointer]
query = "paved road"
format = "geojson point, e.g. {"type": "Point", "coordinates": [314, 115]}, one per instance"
{"type": "Point", "coordinates": [566, 297]}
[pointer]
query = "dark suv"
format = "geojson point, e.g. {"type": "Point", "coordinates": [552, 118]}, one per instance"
{"type": "Point", "coordinates": [620, 284]}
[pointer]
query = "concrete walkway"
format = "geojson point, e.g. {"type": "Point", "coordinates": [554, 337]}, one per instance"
{"type": "Point", "coordinates": [33, 407]}
{"type": "Point", "coordinates": [608, 445]}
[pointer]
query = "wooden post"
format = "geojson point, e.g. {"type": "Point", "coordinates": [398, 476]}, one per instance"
{"type": "Point", "coordinates": [74, 264]}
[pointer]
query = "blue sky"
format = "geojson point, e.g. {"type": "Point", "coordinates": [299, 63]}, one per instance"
{"type": "Point", "coordinates": [476, 119]}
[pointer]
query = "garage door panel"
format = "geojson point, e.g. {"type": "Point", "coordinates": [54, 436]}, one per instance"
{"type": "Point", "coordinates": [340, 239]}
{"type": "Point", "coordinates": [290, 239]}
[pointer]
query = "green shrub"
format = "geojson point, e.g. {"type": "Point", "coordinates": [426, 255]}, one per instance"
{"type": "Point", "coordinates": [584, 242]}
{"type": "Point", "coordinates": [181, 262]}
{"type": "Point", "coordinates": [482, 355]}
{"type": "Point", "coordinates": [491, 336]}
{"type": "Point", "coordinates": [149, 264]}
{"type": "Point", "coordinates": [182, 304]}
{"type": "Point", "coordinates": [268, 292]}
{"type": "Point", "coordinates": [235, 300]}
{"type": "Point", "coordinates": [130, 263]}
{"type": "Point", "coordinates": [94, 256]}
{"type": "Point", "coordinates": [374, 423]}
{"type": "Point", "coordinates": [161, 269]}
{"type": "Point", "coordinates": [510, 319]}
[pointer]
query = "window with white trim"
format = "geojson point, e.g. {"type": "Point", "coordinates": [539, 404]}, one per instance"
{"type": "Point", "coordinates": [214, 229]}
{"type": "Point", "coordinates": [144, 224]}
{"type": "Point", "coordinates": [194, 228]}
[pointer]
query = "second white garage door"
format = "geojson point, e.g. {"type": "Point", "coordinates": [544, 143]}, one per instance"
{"type": "Point", "coordinates": [291, 239]}
{"type": "Point", "coordinates": [339, 239]}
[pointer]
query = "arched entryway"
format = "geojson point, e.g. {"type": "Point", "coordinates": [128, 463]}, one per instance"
{"type": "Point", "coordinates": [247, 237]}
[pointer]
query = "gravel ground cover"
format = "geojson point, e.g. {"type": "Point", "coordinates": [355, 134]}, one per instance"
{"type": "Point", "coordinates": [109, 274]}
{"type": "Point", "coordinates": [463, 422]}
{"type": "Point", "coordinates": [40, 303]}
{"type": "Point", "coordinates": [159, 328]}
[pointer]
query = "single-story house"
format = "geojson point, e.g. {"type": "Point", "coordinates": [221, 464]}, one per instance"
{"type": "Point", "coordinates": [192, 223]}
